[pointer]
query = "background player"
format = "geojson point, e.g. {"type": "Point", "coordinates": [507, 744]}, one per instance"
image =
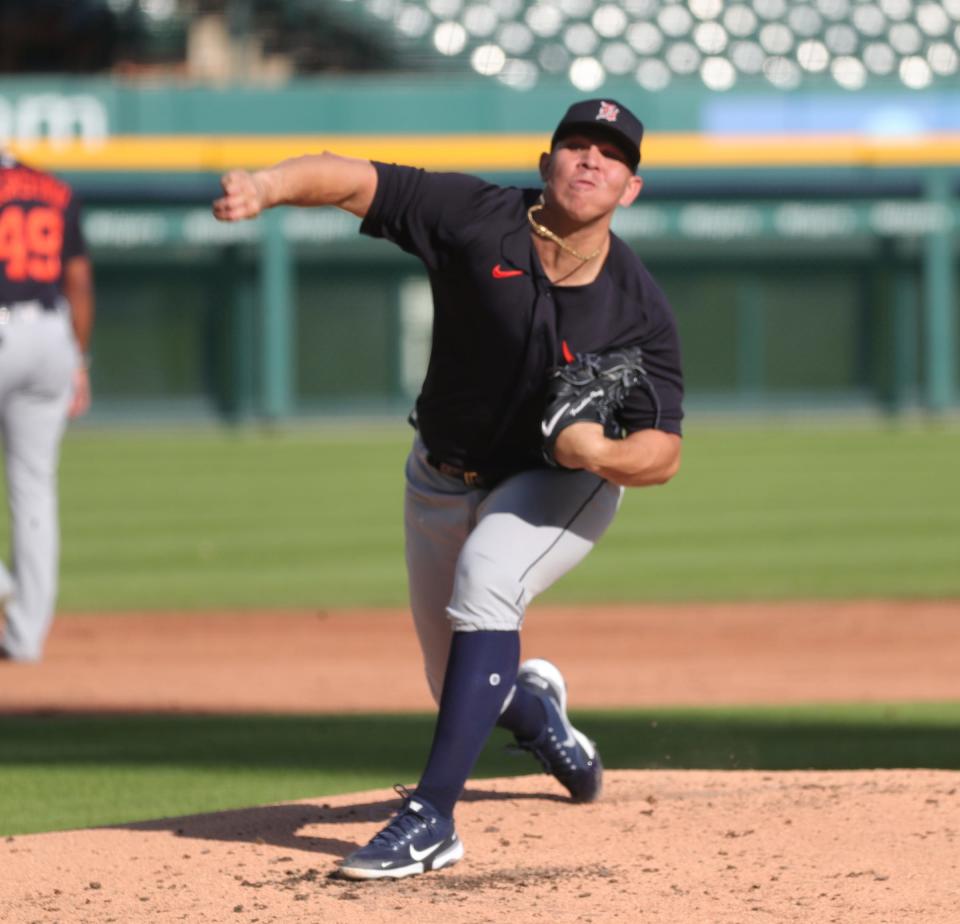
{"type": "Point", "coordinates": [46, 318]}
{"type": "Point", "coordinates": [521, 281]}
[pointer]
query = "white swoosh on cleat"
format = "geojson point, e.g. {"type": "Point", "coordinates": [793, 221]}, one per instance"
{"type": "Point", "coordinates": [418, 855]}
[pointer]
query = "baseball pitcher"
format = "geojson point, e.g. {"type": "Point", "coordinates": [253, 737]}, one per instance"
{"type": "Point", "coordinates": [554, 382]}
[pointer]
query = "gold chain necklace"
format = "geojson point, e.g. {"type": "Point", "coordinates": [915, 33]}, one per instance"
{"type": "Point", "coordinates": [544, 231]}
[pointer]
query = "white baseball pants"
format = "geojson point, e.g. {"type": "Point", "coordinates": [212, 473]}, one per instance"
{"type": "Point", "coordinates": [38, 357]}
{"type": "Point", "coordinates": [476, 558]}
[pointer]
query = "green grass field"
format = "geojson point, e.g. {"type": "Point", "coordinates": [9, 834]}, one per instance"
{"type": "Point", "coordinates": [65, 772]}
{"type": "Point", "coordinates": [215, 519]}
{"type": "Point", "coordinates": [247, 519]}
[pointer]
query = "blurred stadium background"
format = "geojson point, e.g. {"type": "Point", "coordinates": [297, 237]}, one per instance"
{"type": "Point", "coordinates": [800, 206]}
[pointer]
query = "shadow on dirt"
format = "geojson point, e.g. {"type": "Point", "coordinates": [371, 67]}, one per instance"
{"type": "Point", "coordinates": [280, 825]}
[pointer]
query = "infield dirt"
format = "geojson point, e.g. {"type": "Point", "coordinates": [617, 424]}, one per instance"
{"type": "Point", "coordinates": [684, 847]}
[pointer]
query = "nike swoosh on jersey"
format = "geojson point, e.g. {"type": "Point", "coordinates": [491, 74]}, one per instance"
{"type": "Point", "coordinates": [548, 425]}
{"type": "Point", "coordinates": [498, 272]}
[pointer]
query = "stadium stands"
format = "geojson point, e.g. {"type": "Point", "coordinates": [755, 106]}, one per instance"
{"type": "Point", "coordinates": [848, 44]}
{"type": "Point", "coordinates": [713, 44]}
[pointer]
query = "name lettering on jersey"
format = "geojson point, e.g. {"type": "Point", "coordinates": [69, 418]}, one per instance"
{"type": "Point", "coordinates": [24, 184]}
{"type": "Point", "coordinates": [498, 272]}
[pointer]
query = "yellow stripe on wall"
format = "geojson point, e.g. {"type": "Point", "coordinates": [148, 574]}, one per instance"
{"type": "Point", "coordinates": [224, 152]}
{"type": "Point", "coordinates": [699, 151]}
{"type": "Point", "coordinates": [483, 152]}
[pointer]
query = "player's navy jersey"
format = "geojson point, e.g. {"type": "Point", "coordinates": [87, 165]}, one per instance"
{"type": "Point", "coordinates": [39, 233]}
{"type": "Point", "coordinates": [500, 324]}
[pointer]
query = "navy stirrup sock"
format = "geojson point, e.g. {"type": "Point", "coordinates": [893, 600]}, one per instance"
{"type": "Point", "coordinates": [481, 671]}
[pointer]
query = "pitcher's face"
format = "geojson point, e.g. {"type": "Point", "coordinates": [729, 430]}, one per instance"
{"type": "Point", "coordinates": [588, 176]}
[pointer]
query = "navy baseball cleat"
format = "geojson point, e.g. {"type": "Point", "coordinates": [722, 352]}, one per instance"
{"type": "Point", "coordinates": [564, 752]}
{"type": "Point", "coordinates": [415, 841]}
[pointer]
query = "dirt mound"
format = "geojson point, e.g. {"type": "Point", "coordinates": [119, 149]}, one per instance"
{"type": "Point", "coordinates": [672, 846]}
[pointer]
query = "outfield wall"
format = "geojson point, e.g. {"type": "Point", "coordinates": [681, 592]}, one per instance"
{"type": "Point", "coordinates": [807, 240]}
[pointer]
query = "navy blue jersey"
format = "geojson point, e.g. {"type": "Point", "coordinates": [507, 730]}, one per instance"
{"type": "Point", "coordinates": [39, 233]}
{"type": "Point", "coordinates": [500, 325]}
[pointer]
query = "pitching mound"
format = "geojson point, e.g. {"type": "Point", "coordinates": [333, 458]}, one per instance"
{"type": "Point", "coordinates": [687, 847]}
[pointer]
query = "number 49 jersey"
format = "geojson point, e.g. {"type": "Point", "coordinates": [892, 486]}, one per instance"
{"type": "Point", "coordinates": [39, 233]}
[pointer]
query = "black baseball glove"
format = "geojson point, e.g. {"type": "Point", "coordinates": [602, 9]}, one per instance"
{"type": "Point", "coordinates": [590, 389]}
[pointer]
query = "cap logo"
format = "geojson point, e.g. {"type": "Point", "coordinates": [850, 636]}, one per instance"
{"type": "Point", "coordinates": [608, 112]}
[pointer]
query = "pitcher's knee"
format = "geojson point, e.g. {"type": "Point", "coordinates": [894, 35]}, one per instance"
{"type": "Point", "coordinates": [486, 596]}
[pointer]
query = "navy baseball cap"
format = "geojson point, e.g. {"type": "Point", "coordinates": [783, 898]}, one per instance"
{"type": "Point", "coordinates": [610, 118]}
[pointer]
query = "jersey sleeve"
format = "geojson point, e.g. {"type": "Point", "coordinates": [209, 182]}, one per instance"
{"type": "Point", "coordinates": [658, 401]}
{"type": "Point", "coordinates": [426, 214]}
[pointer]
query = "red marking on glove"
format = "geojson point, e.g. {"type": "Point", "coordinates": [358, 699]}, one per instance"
{"type": "Point", "coordinates": [567, 355]}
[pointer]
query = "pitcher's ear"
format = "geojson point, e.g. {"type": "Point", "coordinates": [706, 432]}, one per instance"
{"type": "Point", "coordinates": [544, 166]}
{"type": "Point", "coordinates": [632, 190]}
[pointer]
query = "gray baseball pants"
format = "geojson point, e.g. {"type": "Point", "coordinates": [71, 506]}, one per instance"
{"type": "Point", "coordinates": [476, 558]}
{"type": "Point", "coordinates": [38, 357]}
